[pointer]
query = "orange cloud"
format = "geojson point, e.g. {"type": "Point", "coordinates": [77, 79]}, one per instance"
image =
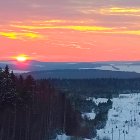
{"type": "Point", "coordinates": [97, 29]}
{"type": "Point", "coordinates": [129, 32]}
{"type": "Point", "coordinates": [121, 11]}
{"type": "Point", "coordinates": [21, 35]}
{"type": "Point", "coordinates": [11, 35]}
{"type": "Point", "coordinates": [78, 28]}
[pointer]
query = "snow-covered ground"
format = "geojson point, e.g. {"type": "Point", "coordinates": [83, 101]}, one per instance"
{"type": "Point", "coordinates": [123, 119]}
{"type": "Point", "coordinates": [64, 137]}
{"type": "Point", "coordinates": [90, 116]}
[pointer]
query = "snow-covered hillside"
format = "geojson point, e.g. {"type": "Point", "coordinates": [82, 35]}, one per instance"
{"type": "Point", "coordinates": [123, 119]}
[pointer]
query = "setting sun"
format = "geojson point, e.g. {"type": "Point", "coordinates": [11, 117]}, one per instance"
{"type": "Point", "coordinates": [21, 58]}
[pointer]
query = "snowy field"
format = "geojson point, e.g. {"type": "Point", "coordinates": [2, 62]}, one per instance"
{"type": "Point", "coordinates": [123, 119]}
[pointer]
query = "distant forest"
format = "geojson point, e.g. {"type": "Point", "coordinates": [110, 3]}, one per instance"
{"type": "Point", "coordinates": [100, 87]}
{"type": "Point", "coordinates": [82, 74]}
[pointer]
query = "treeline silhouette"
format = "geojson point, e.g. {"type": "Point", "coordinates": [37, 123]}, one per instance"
{"type": "Point", "coordinates": [31, 110]}
{"type": "Point", "coordinates": [100, 87]}
{"type": "Point", "coordinates": [35, 110]}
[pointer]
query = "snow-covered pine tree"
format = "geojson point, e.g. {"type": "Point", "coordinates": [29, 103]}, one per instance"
{"type": "Point", "coordinates": [7, 86]}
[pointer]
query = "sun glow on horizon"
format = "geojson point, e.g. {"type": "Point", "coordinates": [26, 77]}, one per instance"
{"type": "Point", "coordinates": [21, 58]}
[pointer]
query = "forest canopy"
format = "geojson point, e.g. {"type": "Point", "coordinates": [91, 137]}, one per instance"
{"type": "Point", "coordinates": [36, 110]}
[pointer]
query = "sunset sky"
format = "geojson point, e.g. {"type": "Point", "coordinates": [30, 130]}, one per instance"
{"type": "Point", "coordinates": [70, 30]}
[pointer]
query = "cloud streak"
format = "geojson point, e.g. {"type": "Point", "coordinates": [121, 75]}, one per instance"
{"type": "Point", "coordinates": [126, 11]}
{"type": "Point", "coordinates": [21, 35]}
{"type": "Point", "coordinates": [77, 28]}
{"type": "Point", "coordinates": [64, 25]}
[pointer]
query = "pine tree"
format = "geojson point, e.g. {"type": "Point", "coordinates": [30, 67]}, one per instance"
{"type": "Point", "coordinates": [6, 71]}
{"type": "Point", "coordinates": [8, 90]}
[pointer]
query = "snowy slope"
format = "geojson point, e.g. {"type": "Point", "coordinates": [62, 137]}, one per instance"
{"type": "Point", "coordinates": [123, 119]}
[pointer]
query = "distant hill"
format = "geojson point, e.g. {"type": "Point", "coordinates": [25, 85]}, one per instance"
{"type": "Point", "coordinates": [82, 74]}
{"type": "Point", "coordinates": [128, 66]}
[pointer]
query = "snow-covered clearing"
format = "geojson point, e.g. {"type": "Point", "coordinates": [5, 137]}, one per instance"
{"type": "Point", "coordinates": [123, 119]}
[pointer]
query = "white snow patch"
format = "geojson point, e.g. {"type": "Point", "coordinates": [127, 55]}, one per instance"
{"type": "Point", "coordinates": [63, 137]}
{"type": "Point", "coordinates": [98, 100]}
{"type": "Point", "coordinates": [90, 116]}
